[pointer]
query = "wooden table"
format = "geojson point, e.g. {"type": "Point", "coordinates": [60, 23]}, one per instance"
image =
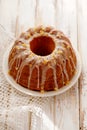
{"type": "Point", "coordinates": [69, 111]}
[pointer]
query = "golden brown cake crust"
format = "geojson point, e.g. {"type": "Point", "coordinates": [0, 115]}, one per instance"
{"type": "Point", "coordinates": [42, 59]}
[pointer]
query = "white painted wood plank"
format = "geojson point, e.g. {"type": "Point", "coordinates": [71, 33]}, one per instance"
{"type": "Point", "coordinates": [67, 104]}
{"type": "Point", "coordinates": [66, 19]}
{"type": "Point", "coordinates": [8, 13]}
{"type": "Point", "coordinates": [25, 15]}
{"type": "Point", "coordinates": [8, 18]}
{"type": "Point", "coordinates": [26, 19]}
{"type": "Point", "coordinates": [82, 41]}
{"type": "Point", "coordinates": [45, 15]}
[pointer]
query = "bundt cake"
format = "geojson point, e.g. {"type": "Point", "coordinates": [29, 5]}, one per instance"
{"type": "Point", "coordinates": [42, 59]}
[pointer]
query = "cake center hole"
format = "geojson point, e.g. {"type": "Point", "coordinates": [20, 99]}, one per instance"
{"type": "Point", "coordinates": [42, 45]}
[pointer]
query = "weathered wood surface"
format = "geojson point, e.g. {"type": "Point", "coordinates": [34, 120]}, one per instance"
{"type": "Point", "coordinates": [82, 45]}
{"type": "Point", "coordinates": [70, 16]}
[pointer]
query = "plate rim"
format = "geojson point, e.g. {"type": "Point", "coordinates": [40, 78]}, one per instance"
{"type": "Point", "coordinates": [38, 93]}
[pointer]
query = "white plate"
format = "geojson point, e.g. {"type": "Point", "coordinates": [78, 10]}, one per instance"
{"type": "Point", "coordinates": [37, 93]}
